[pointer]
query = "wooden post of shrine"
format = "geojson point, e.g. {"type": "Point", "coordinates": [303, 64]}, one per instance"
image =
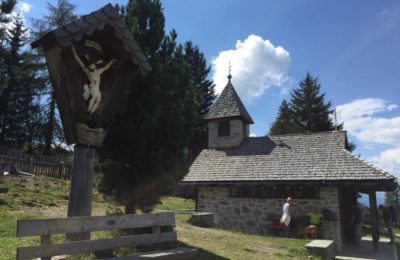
{"type": "Point", "coordinates": [81, 192]}
{"type": "Point", "coordinates": [80, 198]}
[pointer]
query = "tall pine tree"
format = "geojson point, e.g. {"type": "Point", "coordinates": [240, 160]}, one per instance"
{"type": "Point", "coordinates": [18, 104]}
{"type": "Point", "coordinates": [306, 112]}
{"type": "Point", "coordinates": [147, 143]}
{"type": "Point", "coordinates": [284, 122]}
{"type": "Point", "coordinates": [205, 94]}
{"type": "Point", "coordinates": [310, 111]}
{"type": "Point", "coordinates": [200, 71]}
{"type": "Point", "coordinates": [146, 21]}
{"type": "Point", "coordinates": [6, 8]}
{"type": "Point", "coordinates": [58, 15]}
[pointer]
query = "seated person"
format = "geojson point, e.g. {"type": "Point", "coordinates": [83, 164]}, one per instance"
{"type": "Point", "coordinates": [315, 217]}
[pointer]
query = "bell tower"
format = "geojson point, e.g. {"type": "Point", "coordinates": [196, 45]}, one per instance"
{"type": "Point", "coordinates": [228, 119]}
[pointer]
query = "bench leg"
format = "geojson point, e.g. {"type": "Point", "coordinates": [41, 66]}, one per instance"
{"type": "Point", "coordinates": [45, 240]}
{"type": "Point", "coordinates": [104, 254]}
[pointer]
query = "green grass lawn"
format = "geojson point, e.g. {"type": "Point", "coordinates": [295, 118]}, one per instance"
{"type": "Point", "coordinates": [48, 197]}
{"type": "Point", "coordinates": [175, 204]}
{"type": "Point", "coordinates": [214, 243]}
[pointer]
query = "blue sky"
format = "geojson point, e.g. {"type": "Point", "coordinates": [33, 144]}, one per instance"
{"type": "Point", "coordinates": [353, 47]}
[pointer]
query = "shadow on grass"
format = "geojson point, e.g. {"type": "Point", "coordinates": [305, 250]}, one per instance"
{"type": "Point", "coordinates": [201, 253]}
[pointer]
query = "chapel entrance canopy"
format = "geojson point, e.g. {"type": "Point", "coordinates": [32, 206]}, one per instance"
{"type": "Point", "coordinates": [98, 38]}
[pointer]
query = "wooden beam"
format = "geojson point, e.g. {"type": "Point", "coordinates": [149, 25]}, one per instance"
{"type": "Point", "coordinates": [93, 245]}
{"type": "Point", "coordinates": [59, 80]}
{"type": "Point", "coordinates": [80, 198]}
{"type": "Point", "coordinates": [389, 185]}
{"type": "Point", "coordinates": [35, 227]}
{"type": "Point", "coordinates": [46, 241]}
{"type": "Point", "coordinates": [374, 219]}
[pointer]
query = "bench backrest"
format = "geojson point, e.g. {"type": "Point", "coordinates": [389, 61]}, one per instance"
{"type": "Point", "coordinates": [47, 227]}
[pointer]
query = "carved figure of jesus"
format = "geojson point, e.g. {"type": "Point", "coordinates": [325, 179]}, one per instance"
{"type": "Point", "coordinates": [94, 74]}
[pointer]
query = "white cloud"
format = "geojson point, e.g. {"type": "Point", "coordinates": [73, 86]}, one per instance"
{"type": "Point", "coordinates": [384, 12]}
{"type": "Point", "coordinates": [24, 7]}
{"type": "Point", "coordinates": [392, 107]}
{"type": "Point", "coordinates": [10, 25]}
{"type": "Point", "coordinates": [389, 160]}
{"type": "Point", "coordinates": [361, 120]}
{"type": "Point", "coordinates": [256, 66]}
{"type": "Point", "coordinates": [253, 135]}
{"type": "Point", "coordinates": [361, 107]}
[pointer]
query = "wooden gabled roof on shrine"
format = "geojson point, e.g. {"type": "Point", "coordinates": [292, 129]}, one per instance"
{"type": "Point", "coordinates": [228, 105]}
{"type": "Point", "coordinates": [87, 24]}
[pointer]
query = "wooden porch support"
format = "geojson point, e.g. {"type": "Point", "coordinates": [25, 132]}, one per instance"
{"type": "Point", "coordinates": [374, 219]}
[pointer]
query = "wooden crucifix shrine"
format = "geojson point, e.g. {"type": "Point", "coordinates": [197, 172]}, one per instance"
{"type": "Point", "coordinates": [90, 62]}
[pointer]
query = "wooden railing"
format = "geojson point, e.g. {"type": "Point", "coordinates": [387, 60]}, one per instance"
{"type": "Point", "coordinates": [48, 165]}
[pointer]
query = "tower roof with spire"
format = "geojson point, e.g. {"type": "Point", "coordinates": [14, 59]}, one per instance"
{"type": "Point", "coordinates": [228, 105]}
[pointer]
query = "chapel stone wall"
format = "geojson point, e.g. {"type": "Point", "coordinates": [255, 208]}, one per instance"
{"type": "Point", "coordinates": [255, 215]}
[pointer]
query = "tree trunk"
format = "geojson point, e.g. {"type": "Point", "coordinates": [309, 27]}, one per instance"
{"type": "Point", "coordinates": [4, 108]}
{"type": "Point", "coordinates": [48, 138]}
{"type": "Point", "coordinates": [130, 208]}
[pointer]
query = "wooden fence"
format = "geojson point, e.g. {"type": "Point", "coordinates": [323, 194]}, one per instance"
{"type": "Point", "coordinates": [48, 165]}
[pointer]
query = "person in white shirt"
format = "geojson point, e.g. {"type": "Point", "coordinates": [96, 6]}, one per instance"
{"type": "Point", "coordinates": [286, 216]}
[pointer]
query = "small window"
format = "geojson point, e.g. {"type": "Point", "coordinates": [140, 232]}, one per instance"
{"type": "Point", "coordinates": [224, 129]}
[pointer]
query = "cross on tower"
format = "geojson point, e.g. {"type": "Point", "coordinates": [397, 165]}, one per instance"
{"type": "Point", "coordinates": [229, 75]}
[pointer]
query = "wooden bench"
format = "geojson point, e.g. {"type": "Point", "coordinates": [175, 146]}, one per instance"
{"type": "Point", "coordinates": [160, 228]}
{"type": "Point", "coordinates": [322, 248]}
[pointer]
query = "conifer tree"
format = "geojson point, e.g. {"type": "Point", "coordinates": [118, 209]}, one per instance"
{"type": "Point", "coordinates": [205, 94]}
{"type": "Point", "coordinates": [390, 197]}
{"type": "Point", "coordinates": [310, 111]}
{"type": "Point", "coordinates": [147, 144]}
{"type": "Point", "coordinates": [6, 8]}
{"type": "Point", "coordinates": [306, 112]}
{"type": "Point", "coordinates": [58, 15]}
{"type": "Point", "coordinates": [146, 21]}
{"type": "Point", "coordinates": [284, 121]}
{"type": "Point", "coordinates": [200, 71]}
{"type": "Point", "coordinates": [18, 104]}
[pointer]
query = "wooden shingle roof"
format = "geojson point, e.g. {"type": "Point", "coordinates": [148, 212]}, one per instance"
{"type": "Point", "coordinates": [313, 157]}
{"type": "Point", "coordinates": [97, 20]}
{"type": "Point", "coordinates": [228, 105]}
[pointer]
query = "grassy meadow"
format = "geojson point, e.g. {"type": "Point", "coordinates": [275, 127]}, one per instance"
{"type": "Point", "coordinates": [43, 197]}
